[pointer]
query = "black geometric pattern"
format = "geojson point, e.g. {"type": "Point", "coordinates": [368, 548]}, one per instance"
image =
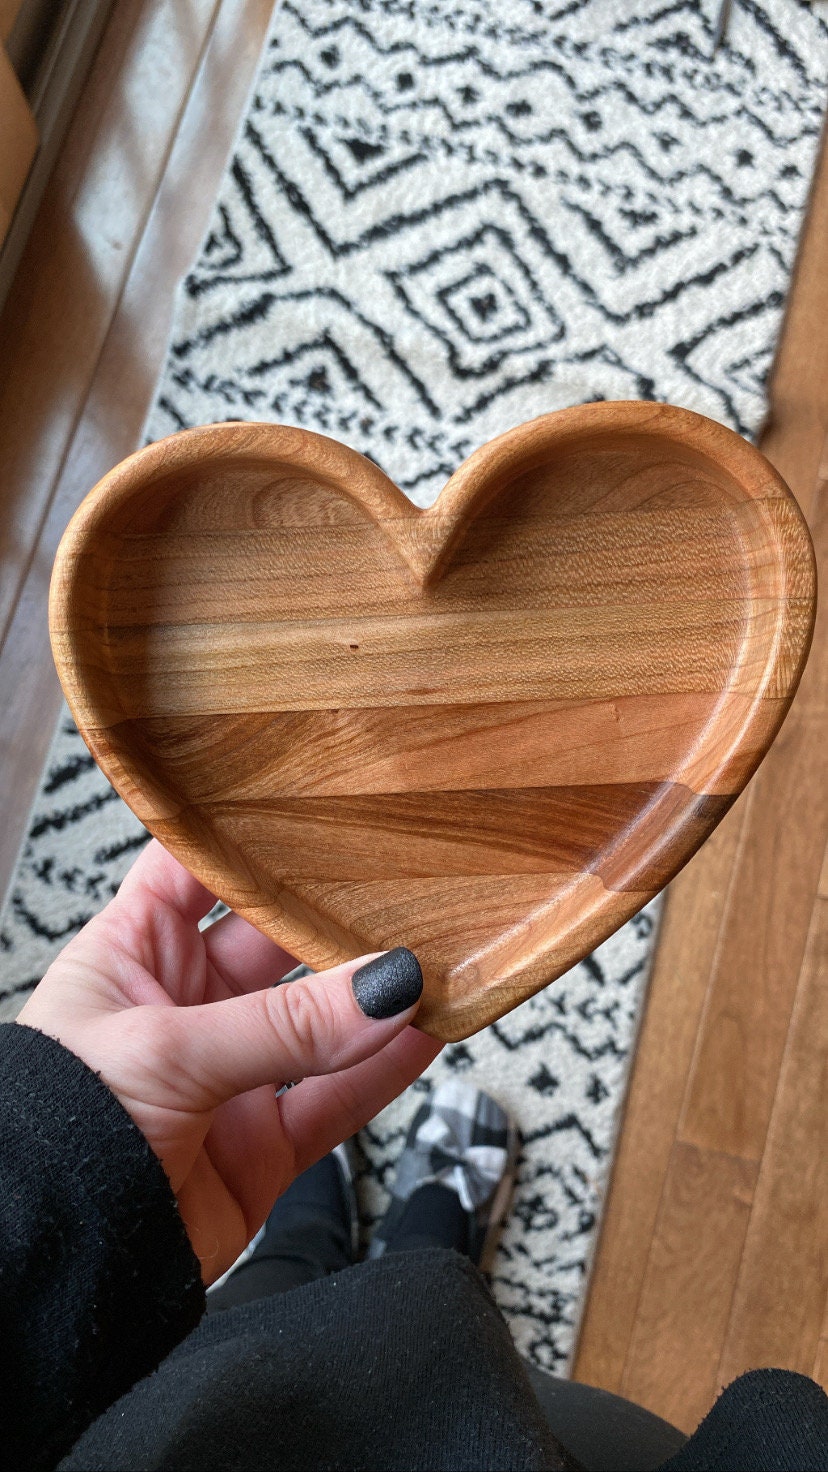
{"type": "Point", "coordinates": [456, 216]}
{"type": "Point", "coordinates": [441, 219]}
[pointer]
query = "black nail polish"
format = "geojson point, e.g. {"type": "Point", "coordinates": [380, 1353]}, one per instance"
{"type": "Point", "coordinates": [389, 984]}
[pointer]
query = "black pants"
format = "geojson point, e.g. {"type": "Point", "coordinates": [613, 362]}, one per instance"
{"type": "Point", "coordinates": [404, 1364]}
{"type": "Point", "coordinates": [769, 1419]}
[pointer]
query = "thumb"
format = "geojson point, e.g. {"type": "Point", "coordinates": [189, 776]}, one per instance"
{"type": "Point", "coordinates": [317, 1025]}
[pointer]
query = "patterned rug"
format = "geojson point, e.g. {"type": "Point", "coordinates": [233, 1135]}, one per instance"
{"type": "Point", "coordinates": [441, 218]}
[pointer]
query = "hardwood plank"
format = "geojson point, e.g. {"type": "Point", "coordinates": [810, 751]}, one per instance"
{"type": "Point", "coordinates": [754, 980]}
{"type": "Point", "coordinates": [705, 898]}
{"type": "Point", "coordinates": [694, 907]}
{"type": "Point", "coordinates": [797, 423]}
{"type": "Point", "coordinates": [114, 392]}
{"type": "Point", "coordinates": [776, 1317]}
{"type": "Point", "coordinates": [673, 1360]}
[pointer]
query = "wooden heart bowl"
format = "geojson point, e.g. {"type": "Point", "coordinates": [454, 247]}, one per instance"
{"type": "Point", "coordinates": [490, 731]}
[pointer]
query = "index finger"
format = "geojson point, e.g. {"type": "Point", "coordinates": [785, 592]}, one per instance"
{"type": "Point", "coordinates": [156, 873]}
{"type": "Point", "coordinates": [243, 959]}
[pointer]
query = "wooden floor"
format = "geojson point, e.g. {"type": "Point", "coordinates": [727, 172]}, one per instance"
{"type": "Point", "coordinates": [713, 1255]}
{"type": "Point", "coordinates": [714, 1252]}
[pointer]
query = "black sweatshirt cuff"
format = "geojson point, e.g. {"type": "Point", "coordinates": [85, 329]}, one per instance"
{"type": "Point", "coordinates": [98, 1281]}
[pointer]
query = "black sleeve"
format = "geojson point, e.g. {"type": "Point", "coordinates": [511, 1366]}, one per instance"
{"type": "Point", "coordinates": [98, 1280]}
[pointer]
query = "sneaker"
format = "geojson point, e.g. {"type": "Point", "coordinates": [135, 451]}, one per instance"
{"type": "Point", "coordinates": [460, 1139]}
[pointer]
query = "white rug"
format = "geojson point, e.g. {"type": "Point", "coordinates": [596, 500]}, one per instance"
{"type": "Point", "coordinates": [443, 218]}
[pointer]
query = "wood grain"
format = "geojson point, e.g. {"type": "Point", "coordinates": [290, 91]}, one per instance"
{"type": "Point", "coordinates": [437, 668]}
{"type": "Point", "coordinates": [325, 753]}
{"type": "Point", "coordinates": [684, 1308]}
{"type": "Point", "coordinates": [776, 1317]}
{"type": "Point", "coordinates": [685, 951]}
{"type": "Point", "coordinates": [754, 981]}
{"type": "Point", "coordinates": [730, 965]}
{"type": "Point", "coordinates": [708, 902]}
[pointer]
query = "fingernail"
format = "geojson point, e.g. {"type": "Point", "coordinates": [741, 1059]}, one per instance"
{"type": "Point", "coordinates": [386, 986]}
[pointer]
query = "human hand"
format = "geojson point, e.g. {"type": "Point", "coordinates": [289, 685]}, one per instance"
{"type": "Point", "coordinates": [186, 1029]}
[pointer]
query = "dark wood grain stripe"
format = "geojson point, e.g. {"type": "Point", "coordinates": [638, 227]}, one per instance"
{"type": "Point", "coordinates": [554, 831]}
{"type": "Point", "coordinates": [503, 744]}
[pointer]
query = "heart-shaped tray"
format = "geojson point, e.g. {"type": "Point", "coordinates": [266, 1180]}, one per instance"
{"type": "Point", "coordinates": [490, 731]}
